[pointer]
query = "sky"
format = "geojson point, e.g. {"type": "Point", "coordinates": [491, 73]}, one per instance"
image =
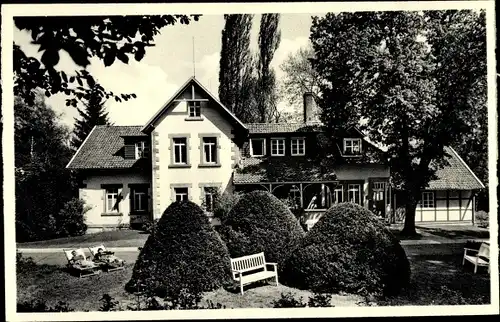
{"type": "Point", "coordinates": [168, 65]}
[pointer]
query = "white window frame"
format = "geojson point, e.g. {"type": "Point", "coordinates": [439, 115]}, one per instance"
{"type": "Point", "coordinates": [428, 202]}
{"type": "Point", "coordinates": [141, 149]}
{"type": "Point", "coordinates": [194, 109]}
{"type": "Point", "coordinates": [209, 191]}
{"type": "Point", "coordinates": [350, 188]}
{"type": "Point", "coordinates": [378, 187]}
{"type": "Point", "coordinates": [349, 144]}
{"type": "Point", "coordinates": [179, 146]}
{"type": "Point", "coordinates": [338, 191]}
{"type": "Point", "coordinates": [184, 196]}
{"type": "Point", "coordinates": [263, 140]}
{"type": "Point", "coordinates": [280, 143]}
{"type": "Point", "coordinates": [212, 148]}
{"type": "Point", "coordinates": [114, 193]}
{"type": "Point", "coordinates": [296, 143]}
{"type": "Point", "coordinates": [144, 195]}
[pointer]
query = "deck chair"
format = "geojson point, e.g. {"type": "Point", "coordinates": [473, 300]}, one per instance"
{"type": "Point", "coordinates": [81, 270]}
{"type": "Point", "coordinates": [478, 257]}
{"type": "Point", "coordinates": [105, 262]}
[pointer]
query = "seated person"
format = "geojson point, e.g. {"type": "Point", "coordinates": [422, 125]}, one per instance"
{"type": "Point", "coordinates": [80, 259]}
{"type": "Point", "coordinates": [108, 257]}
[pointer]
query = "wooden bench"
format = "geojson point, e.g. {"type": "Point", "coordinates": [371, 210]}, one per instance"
{"type": "Point", "coordinates": [256, 268]}
{"type": "Point", "coordinates": [481, 256]}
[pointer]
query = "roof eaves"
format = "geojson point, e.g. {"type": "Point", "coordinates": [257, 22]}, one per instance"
{"type": "Point", "coordinates": [467, 167]}
{"type": "Point", "coordinates": [78, 150]}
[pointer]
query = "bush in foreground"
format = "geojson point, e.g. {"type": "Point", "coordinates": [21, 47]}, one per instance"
{"type": "Point", "coordinates": [349, 250]}
{"type": "Point", "coordinates": [259, 222]}
{"type": "Point", "coordinates": [183, 253]}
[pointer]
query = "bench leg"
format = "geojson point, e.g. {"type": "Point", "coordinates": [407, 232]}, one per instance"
{"type": "Point", "coordinates": [276, 279]}
{"type": "Point", "coordinates": [475, 268]}
{"type": "Point", "coordinates": [241, 287]}
{"type": "Point", "coordinates": [463, 261]}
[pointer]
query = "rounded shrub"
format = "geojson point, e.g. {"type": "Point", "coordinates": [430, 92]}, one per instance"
{"type": "Point", "coordinates": [183, 253]}
{"type": "Point", "coordinates": [349, 250]}
{"type": "Point", "coordinates": [259, 222]}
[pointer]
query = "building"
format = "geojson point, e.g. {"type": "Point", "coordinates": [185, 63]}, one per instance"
{"type": "Point", "coordinates": [194, 146]}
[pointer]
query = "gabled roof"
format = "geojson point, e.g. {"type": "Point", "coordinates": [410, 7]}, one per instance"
{"type": "Point", "coordinates": [102, 148]}
{"type": "Point", "coordinates": [456, 175]}
{"type": "Point", "coordinates": [151, 123]}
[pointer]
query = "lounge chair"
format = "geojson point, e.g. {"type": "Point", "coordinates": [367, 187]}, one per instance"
{"type": "Point", "coordinates": [108, 261]}
{"type": "Point", "coordinates": [87, 268]}
{"type": "Point", "coordinates": [478, 257]}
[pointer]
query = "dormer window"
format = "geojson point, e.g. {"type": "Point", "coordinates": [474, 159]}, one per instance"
{"type": "Point", "coordinates": [352, 146]}
{"type": "Point", "coordinates": [194, 109]}
{"type": "Point", "coordinates": [258, 147]}
{"type": "Point", "coordinates": [278, 147]}
{"type": "Point", "coordinates": [141, 149]}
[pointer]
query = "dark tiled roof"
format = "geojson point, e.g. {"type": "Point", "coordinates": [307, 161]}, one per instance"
{"type": "Point", "coordinates": [103, 148]}
{"type": "Point", "coordinates": [455, 175]}
{"type": "Point", "coordinates": [282, 169]}
{"type": "Point", "coordinates": [269, 128]}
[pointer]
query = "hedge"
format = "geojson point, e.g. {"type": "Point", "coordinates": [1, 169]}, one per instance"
{"type": "Point", "coordinates": [183, 254]}
{"type": "Point", "coordinates": [259, 222]}
{"type": "Point", "coordinates": [349, 250]}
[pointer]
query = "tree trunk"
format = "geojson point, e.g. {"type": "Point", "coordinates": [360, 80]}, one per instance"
{"type": "Point", "coordinates": [410, 208]}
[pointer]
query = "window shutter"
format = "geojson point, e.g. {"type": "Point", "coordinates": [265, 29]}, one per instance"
{"type": "Point", "coordinates": [129, 151]}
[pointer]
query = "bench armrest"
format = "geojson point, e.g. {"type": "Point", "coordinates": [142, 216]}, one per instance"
{"type": "Point", "coordinates": [471, 250]}
{"type": "Point", "coordinates": [273, 264]}
{"type": "Point", "coordinates": [236, 271]}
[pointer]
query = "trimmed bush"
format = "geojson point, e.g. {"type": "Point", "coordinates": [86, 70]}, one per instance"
{"type": "Point", "coordinates": [184, 252]}
{"type": "Point", "coordinates": [482, 219]}
{"type": "Point", "coordinates": [71, 219]}
{"type": "Point", "coordinates": [349, 250]}
{"type": "Point", "coordinates": [259, 222]}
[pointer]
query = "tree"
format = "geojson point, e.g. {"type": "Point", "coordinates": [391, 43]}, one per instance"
{"type": "Point", "coordinates": [236, 66]}
{"type": "Point", "coordinates": [299, 77]}
{"type": "Point", "coordinates": [107, 38]}
{"type": "Point", "coordinates": [266, 94]}
{"type": "Point", "coordinates": [43, 184]}
{"type": "Point", "coordinates": [390, 70]}
{"type": "Point", "coordinates": [93, 114]}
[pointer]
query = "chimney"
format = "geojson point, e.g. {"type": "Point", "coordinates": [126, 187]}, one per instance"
{"type": "Point", "coordinates": [309, 108]}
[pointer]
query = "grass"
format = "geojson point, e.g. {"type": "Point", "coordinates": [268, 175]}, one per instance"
{"type": "Point", "coordinates": [437, 278]}
{"type": "Point", "coordinates": [114, 238]}
{"type": "Point", "coordinates": [442, 232]}
{"type": "Point", "coordinates": [53, 283]}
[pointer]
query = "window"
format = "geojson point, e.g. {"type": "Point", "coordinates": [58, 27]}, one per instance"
{"type": "Point", "coordinates": [210, 150]}
{"type": "Point", "coordinates": [428, 199]}
{"type": "Point", "coordinates": [257, 147]}
{"type": "Point", "coordinates": [378, 191]}
{"type": "Point", "coordinates": [194, 109]}
{"type": "Point", "coordinates": [278, 147]}
{"type": "Point", "coordinates": [181, 194]}
{"type": "Point", "coordinates": [180, 150]}
{"type": "Point", "coordinates": [209, 198]}
{"type": "Point", "coordinates": [140, 199]}
{"type": "Point", "coordinates": [112, 200]}
{"type": "Point", "coordinates": [354, 193]}
{"type": "Point", "coordinates": [298, 146]}
{"type": "Point", "coordinates": [352, 146]}
{"type": "Point", "coordinates": [338, 194]}
{"type": "Point", "coordinates": [141, 149]}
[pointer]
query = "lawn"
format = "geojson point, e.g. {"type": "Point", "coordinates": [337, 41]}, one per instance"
{"type": "Point", "coordinates": [53, 284]}
{"type": "Point", "coordinates": [437, 278]}
{"type": "Point", "coordinates": [115, 238]}
{"type": "Point", "coordinates": [443, 232]}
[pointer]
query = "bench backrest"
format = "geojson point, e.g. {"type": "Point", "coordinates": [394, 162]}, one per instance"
{"type": "Point", "coordinates": [484, 251]}
{"type": "Point", "coordinates": [94, 250]}
{"type": "Point", "coordinates": [248, 263]}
